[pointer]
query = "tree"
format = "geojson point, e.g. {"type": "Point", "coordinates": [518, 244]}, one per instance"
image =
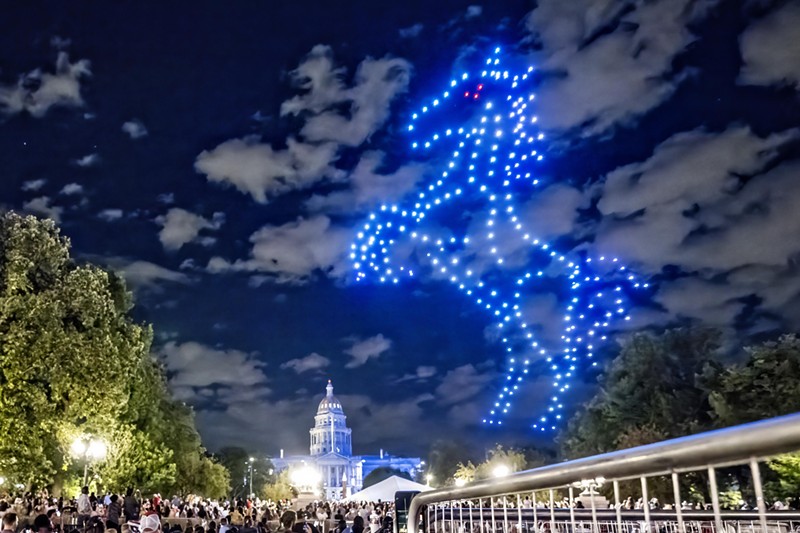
{"type": "Point", "coordinates": [74, 363]}
{"type": "Point", "coordinates": [280, 489]}
{"type": "Point", "coordinates": [381, 473]}
{"type": "Point", "coordinates": [237, 461]}
{"type": "Point", "coordinates": [767, 385]}
{"type": "Point", "coordinates": [443, 458]}
{"type": "Point", "coordinates": [657, 387]}
{"type": "Point", "coordinates": [465, 472]}
{"type": "Point", "coordinates": [60, 325]}
{"type": "Point", "coordinates": [511, 459]}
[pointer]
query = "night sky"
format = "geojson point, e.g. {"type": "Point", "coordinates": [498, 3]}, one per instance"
{"type": "Point", "coordinates": [224, 157]}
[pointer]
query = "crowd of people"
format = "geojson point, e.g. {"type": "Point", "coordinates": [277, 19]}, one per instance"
{"type": "Point", "coordinates": [130, 513]}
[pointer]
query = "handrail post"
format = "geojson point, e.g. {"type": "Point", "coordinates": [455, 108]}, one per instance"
{"type": "Point", "coordinates": [759, 493]}
{"type": "Point", "coordinates": [676, 492]}
{"type": "Point", "coordinates": [645, 504]}
{"type": "Point", "coordinates": [712, 481]}
{"type": "Point", "coordinates": [617, 506]}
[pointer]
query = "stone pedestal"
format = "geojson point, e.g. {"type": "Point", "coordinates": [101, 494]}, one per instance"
{"type": "Point", "coordinates": [303, 499]}
{"type": "Point", "coordinates": [589, 495]}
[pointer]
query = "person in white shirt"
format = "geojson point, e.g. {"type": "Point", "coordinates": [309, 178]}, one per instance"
{"type": "Point", "coordinates": [84, 507]}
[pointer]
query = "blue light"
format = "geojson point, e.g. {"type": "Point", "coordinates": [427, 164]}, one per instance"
{"type": "Point", "coordinates": [490, 182]}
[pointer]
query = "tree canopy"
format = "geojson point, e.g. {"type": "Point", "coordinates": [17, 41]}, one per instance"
{"type": "Point", "coordinates": [656, 388]}
{"type": "Point", "coordinates": [73, 363]}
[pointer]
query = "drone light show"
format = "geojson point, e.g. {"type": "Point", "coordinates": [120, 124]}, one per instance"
{"type": "Point", "coordinates": [466, 224]}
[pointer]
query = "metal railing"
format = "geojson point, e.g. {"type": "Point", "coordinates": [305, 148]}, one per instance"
{"type": "Point", "coordinates": [499, 505]}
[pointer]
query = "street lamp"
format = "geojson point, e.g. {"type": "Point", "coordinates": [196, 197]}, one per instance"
{"type": "Point", "coordinates": [306, 478]}
{"type": "Point", "coordinates": [88, 449]}
{"type": "Point", "coordinates": [501, 471]}
{"type": "Point", "coordinates": [252, 459]}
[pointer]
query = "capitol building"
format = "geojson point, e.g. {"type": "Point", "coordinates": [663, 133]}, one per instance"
{"type": "Point", "coordinates": [331, 453]}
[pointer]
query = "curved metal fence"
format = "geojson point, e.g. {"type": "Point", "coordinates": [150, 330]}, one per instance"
{"type": "Point", "coordinates": [526, 502]}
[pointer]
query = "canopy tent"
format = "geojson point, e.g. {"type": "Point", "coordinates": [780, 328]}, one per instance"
{"type": "Point", "coordinates": [384, 491]}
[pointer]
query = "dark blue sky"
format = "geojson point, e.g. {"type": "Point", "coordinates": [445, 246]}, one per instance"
{"type": "Point", "coordinates": [187, 147]}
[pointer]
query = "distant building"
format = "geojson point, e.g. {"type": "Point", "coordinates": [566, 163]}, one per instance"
{"type": "Point", "coordinates": [331, 453]}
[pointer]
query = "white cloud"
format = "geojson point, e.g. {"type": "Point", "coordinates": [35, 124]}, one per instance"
{"type": "Point", "coordinates": [363, 350]}
{"type": "Point", "coordinates": [257, 169]}
{"type": "Point", "coordinates": [89, 160]}
{"type": "Point", "coordinates": [411, 31]}
{"type": "Point", "coordinates": [72, 188]}
{"type": "Point", "coordinates": [420, 374]}
{"type": "Point", "coordinates": [368, 188]}
{"type": "Point", "coordinates": [33, 185]}
{"type": "Point", "coordinates": [147, 275]}
{"type": "Point", "coordinates": [686, 206]}
{"type": "Point", "coordinates": [294, 251]}
{"type": "Point", "coordinates": [194, 366]}
{"type": "Point", "coordinates": [473, 12]}
{"type": "Point", "coordinates": [180, 227]}
{"type": "Point", "coordinates": [43, 206]}
{"type": "Point", "coordinates": [613, 59]}
{"type": "Point", "coordinates": [771, 48]}
{"type": "Point", "coordinates": [553, 212]}
{"type": "Point", "coordinates": [376, 83]}
{"type": "Point", "coordinates": [461, 384]}
{"type": "Point", "coordinates": [37, 92]}
{"type": "Point", "coordinates": [312, 361]}
{"type": "Point", "coordinates": [110, 215]}
{"type": "Point", "coordinates": [134, 128]}
{"type": "Point", "coordinates": [366, 416]}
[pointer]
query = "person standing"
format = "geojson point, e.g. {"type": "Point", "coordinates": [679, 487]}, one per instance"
{"type": "Point", "coordinates": [130, 506]}
{"type": "Point", "coordinates": [84, 507]}
{"type": "Point", "coordinates": [113, 513]}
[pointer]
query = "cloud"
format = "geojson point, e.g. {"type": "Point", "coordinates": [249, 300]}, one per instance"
{"type": "Point", "coordinates": [461, 384]}
{"type": "Point", "coordinates": [375, 85]}
{"type": "Point", "coordinates": [146, 275]}
{"type": "Point", "coordinates": [719, 208]}
{"type": "Point", "coordinates": [473, 12]}
{"type": "Point", "coordinates": [43, 206]}
{"type": "Point", "coordinates": [89, 160]}
{"type": "Point", "coordinates": [368, 187]}
{"type": "Point", "coordinates": [363, 350]}
{"type": "Point", "coordinates": [365, 416]}
{"type": "Point", "coordinates": [33, 185]}
{"type": "Point", "coordinates": [193, 368]}
{"type": "Point", "coordinates": [37, 92]}
{"type": "Point", "coordinates": [553, 212]}
{"type": "Point", "coordinates": [608, 62]}
{"type": "Point", "coordinates": [71, 189]}
{"type": "Point", "coordinates": [411, 31]}
{"type": "Point", "coordinates": [686, 204]}
{"type": "Point", "coordinates": [134, 128]}
{"type": "Point", "coordinates": [294, 251]}
{"type": "Point", "coordinates": [257, 169]}
{"type": "Point", "coordinates": [771, 48]}
{"type": "Point", "coordinates": [312, 361]}
{"type": "Point", "coordinates": [420, 374]}
{"type": "Point", "coordinates": [180, 227]}
{"type": "Point", "coordinates": [110, 215]}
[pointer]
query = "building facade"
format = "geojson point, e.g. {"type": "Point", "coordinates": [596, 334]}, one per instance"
{"type": "Point", "coordinates": [331, 453]}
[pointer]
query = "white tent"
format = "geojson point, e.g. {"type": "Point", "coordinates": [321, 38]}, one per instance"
{"type": "Point", "coordinates": [385, 490]}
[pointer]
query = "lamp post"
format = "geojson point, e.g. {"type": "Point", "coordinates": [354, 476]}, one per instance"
{"type": "Point", "coordinates": [88, 449]}
{"type": "Point", "coordinates": [501, 471]}
{"type": "Point", "coordinates": [252, 459]}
